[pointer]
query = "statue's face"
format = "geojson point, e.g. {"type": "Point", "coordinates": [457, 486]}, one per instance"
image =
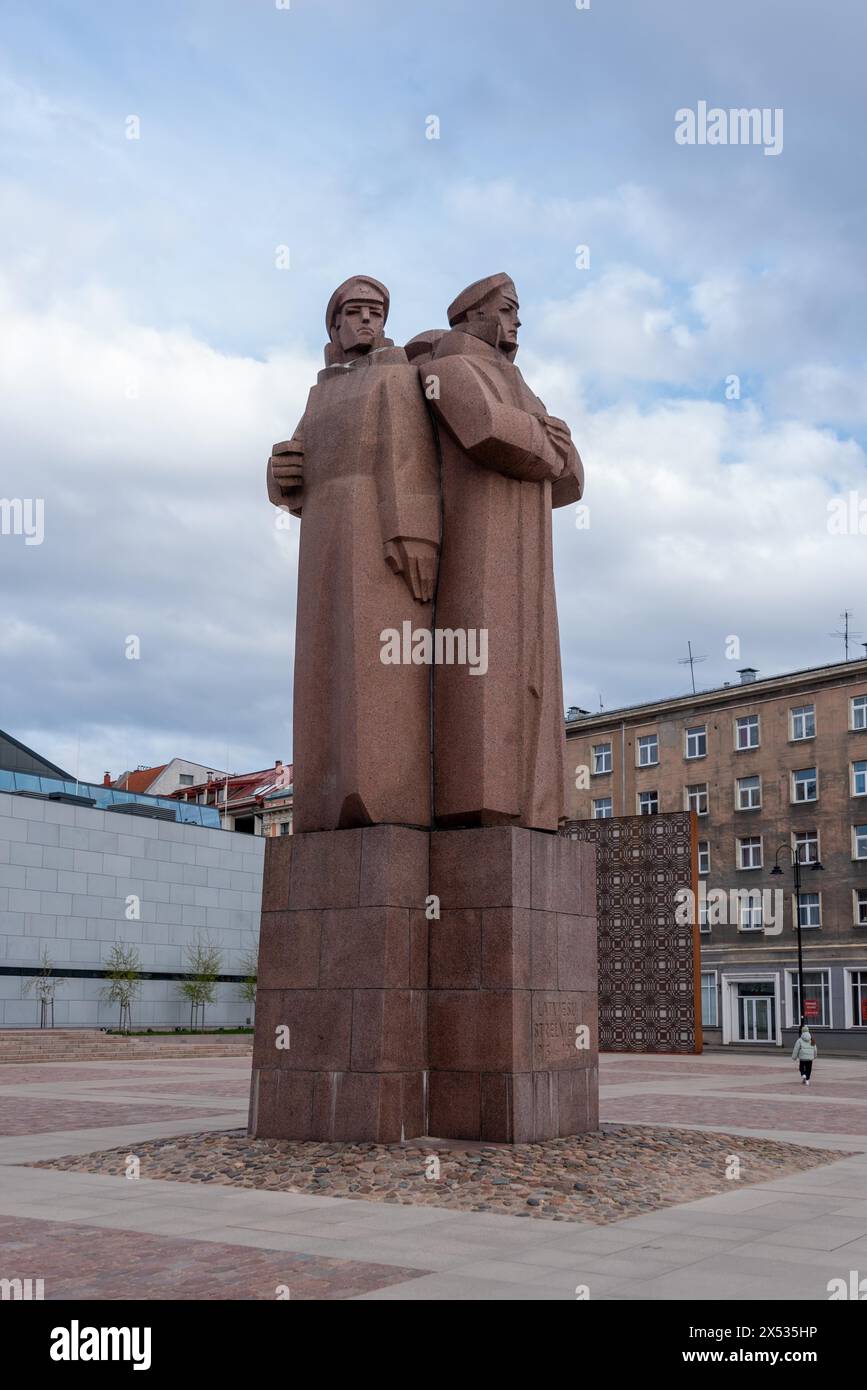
{"type": "Point", "coordinates": [359, 326]}
{"type": "Point", "coordinates": [502, 307]}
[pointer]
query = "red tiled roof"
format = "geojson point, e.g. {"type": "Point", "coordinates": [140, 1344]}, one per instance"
{"type": "Point", "coordinates": [140, 780]}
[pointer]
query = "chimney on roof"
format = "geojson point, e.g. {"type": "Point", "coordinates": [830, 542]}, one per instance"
{"type": "Point", "coordinates": [747, 674]}
{"type": "Point", "coordinates": [278, 764]}
{"type": "Point", "coordinates": [106, 779]}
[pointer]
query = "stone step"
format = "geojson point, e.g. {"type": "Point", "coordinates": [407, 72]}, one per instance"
{"type": "Point", "coordinates": [27, 1058]}
{"type": "Point", "coordinates": [90, 1044]}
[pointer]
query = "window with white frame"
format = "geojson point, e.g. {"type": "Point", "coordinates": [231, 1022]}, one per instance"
{"type": "Point", "coordinates": [805, 784]}
{"type": "Point", "coordinates": [860, 895]}
{"type": "Point", "coordinates": [859, 778]}
{"type": "Point", "coordinates": [817, 998]}
{"type": "Point", "coordinates": [648, 750]}
{"type": "Point", "coordinates": [602, 758]}
{"type": "Point", "coordinates": [696, 741]}
{"type": "Point", "coordinates": [859, 712]}
{"type": "Point", "coordinates": [704, 856]}
{"type": "Point", "coordinates": [648, 803]}
{"type": "Point", "coordinates": [750, 911]}
{"type": "Point", "coordinates": [858, 982]}
{"type": "Point", "coordinates": [696, 798]}
{"type": "Point", "coordinates": [602, 808]}
{"type": "Point", "coordinates": [803, 722]}
{"type": "Point", "coordinates": [709, 1016]}
{"type": "Point", "coordinates": [811, 909]}
{"type": "Point", "coordinates": [859, 841]}
{"type": "Point", "coordinates": [747, 731]}
{"type": "Point", "coordinates": [703, 915]}
{"type": "Point", "coordinates": [749, 793]}
{"type": "Point", "coordinates": [805, 843]}
{"type": "Point", "coordinates": [750, 852]}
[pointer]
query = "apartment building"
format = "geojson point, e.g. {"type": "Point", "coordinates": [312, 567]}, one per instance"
{"type": "Point", "coordinates": [244, 799]}
{"type": "Point", "coordinates": [774, 768]}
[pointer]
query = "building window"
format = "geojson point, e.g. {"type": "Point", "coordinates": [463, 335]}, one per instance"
{"type": "Point", "coordinates": [803, 722]}
{"type": "Point", "coordinates": [704, 856]}
{"type": "Point", "coordinates": [696, 742]}
{"type": "Point", "coordinates": [859, 998]}
{"type": "Point", "coordinates": [602, 808]}
{"type": "Point", "coordinates": [860, 841]}
{"type": "Point", "coordinates": [806, 846]}
{"type": "Point", "coordinates": [286, 827]}
{"type": "Point", "coordinates": [817, 999]}
{"type": "Point", "coordinates": [696, 798]}
{"type": "Point", "coordinates": [805, 785]}
{"type": "Point", "coordinates": [749, 793]}
{"type": "Point", "coordinates": [602, 759]}
{"type": "Point", "coordinates": [861, 907]}
{"type": "Point", "coordinates": [703, 915]}
{"type": "Point", "coordinates": [750, 911]}
{"type": "Point", "coordinates": [185, 779]}
{"type": "Point", "coordinates": [708, 999]}
{"type": "Point", "coordinates": [859, 712]}
{"type": "Point", "coordinates": [859, 779]}
{"type": "Point", "coordinates": [747, 731]}
{"type": "Point", "coordinates": [811, 910]}
{"type": "Point", "coordinates": [648, 750]}
{"type": "Point", "coordinates": [648, 803]}
{"type": "Point", "coordinates": [750, 852]}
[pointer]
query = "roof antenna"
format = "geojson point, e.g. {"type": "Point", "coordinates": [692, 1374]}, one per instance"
{"type": "Point", "coordinates": [846, 634]}
{"type": "Point", "coordinates": [690, 661]}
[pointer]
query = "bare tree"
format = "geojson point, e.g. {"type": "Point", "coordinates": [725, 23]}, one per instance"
{"type": "Point", "coordinates": [205, 962]}
{"type": "Point", "coordinates": [123, 971]}
{"type": "Point", "coordinates": [250, 968]}
{"type": "Point", "coordinates": [44, 985]}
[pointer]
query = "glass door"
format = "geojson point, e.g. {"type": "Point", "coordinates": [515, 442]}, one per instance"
{"type": "Point", "coordinates": [756, 1018]}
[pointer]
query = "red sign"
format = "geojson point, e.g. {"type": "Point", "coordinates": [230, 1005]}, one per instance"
{"type": "Point", "coordinates": [864, 1010]}
{"type": "Point", "coordinates": [811, 1008]}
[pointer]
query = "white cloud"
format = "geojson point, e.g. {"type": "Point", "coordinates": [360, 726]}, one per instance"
{"type": "Point", "coordinates": [157, 524]}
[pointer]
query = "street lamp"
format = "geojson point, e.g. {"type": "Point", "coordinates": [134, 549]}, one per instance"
{"type": "Point", "coordinates": [796, 862]}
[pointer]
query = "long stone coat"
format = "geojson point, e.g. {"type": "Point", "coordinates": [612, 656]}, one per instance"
{"type": "Point", "coordinates": [498, 737]}
{"type": "Point", "coordinates": [370, 475]}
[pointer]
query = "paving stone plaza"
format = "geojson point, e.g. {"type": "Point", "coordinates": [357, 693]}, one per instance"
{"type": "Point", "coordinates": [96, 1234]}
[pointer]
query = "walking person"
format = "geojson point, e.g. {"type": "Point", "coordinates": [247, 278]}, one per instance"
{"type": "Point", "coordinates": [805, 1053]}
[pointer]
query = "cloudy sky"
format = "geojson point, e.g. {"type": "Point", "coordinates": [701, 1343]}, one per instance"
{"type": "Point", "coordinates": [152, 349]}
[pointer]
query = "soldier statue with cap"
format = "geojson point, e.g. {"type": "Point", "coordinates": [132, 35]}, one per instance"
{"type": "Point", "coordinates": [498, 739]}
{"type": "Point", "coordinates": [362, 473]}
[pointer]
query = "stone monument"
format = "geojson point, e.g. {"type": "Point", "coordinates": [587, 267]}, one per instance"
{"type": "Point", "coordinates": [428, 947]}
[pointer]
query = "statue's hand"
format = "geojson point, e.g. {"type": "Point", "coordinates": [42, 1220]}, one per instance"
{"type": "Point", "coordinates": [417, 562]}
{"type": "Point", "coordinates": [559, 434]}
{"type": "Point", "coordinates": [286, 464]}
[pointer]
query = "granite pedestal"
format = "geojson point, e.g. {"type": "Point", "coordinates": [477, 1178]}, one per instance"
{"type": "Point", "coordinates": [478, 1023]}
{"type": "Point", "coordinates": [512, 1016]}
{"type": "Point", "coordinates": [343, 967]}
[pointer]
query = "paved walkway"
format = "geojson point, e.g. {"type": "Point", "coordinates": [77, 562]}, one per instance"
{"type": "Point", "coordinates": [97, 1236]}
